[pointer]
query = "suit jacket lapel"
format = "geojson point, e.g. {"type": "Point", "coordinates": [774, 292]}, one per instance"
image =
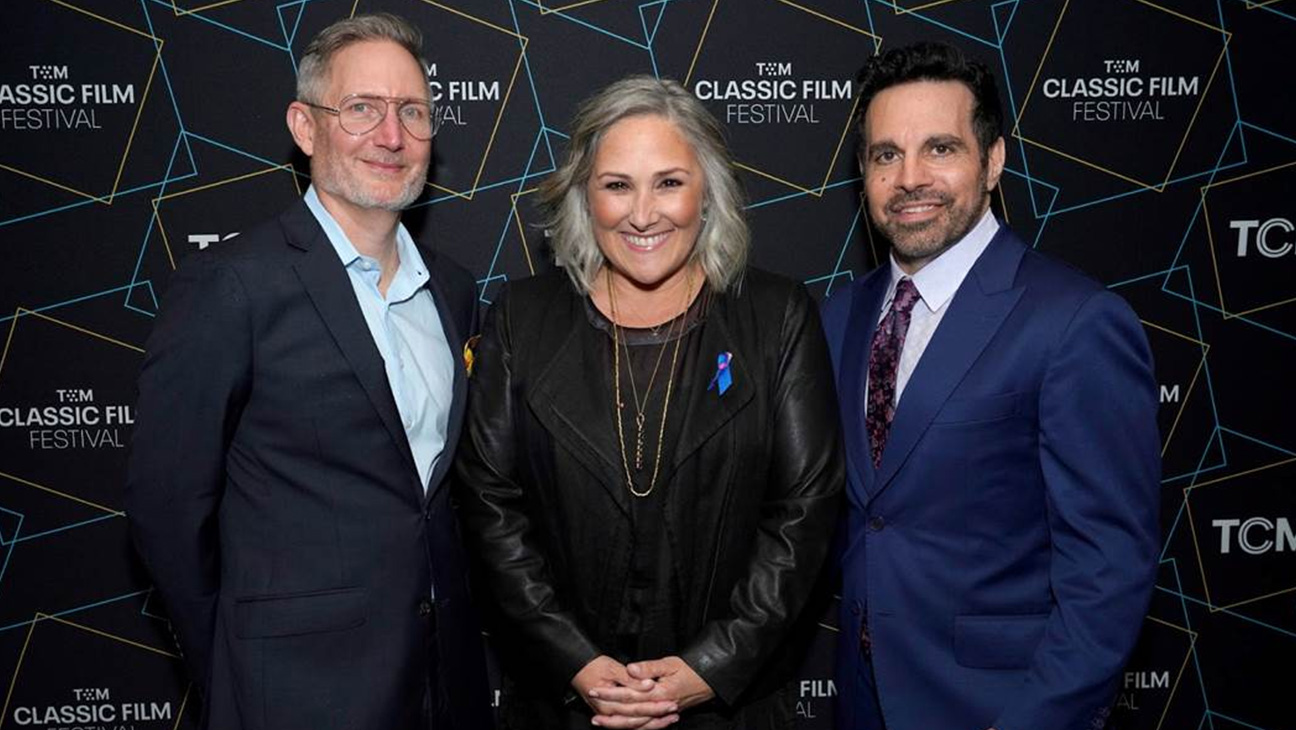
{"type": "Point", "coordinates": [455, 340]}
{"type": "Point", "coordinates": [326, 282]}
{"type": "Point", "coordinates": [866, 307]}
{"type": "Point", "coordinates": [980, 306]}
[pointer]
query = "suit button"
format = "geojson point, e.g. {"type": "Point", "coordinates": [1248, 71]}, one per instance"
{"type": "Point", "coordinates": [877, 523]}
{"type": "Point", "coordinates": [425, 607]}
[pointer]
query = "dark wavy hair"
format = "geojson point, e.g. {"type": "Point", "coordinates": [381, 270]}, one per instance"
{"type": "Point", "coordinates": [936, 62]}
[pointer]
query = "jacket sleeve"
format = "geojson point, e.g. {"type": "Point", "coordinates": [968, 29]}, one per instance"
{"type": "Point", "coordinates": [1100, 457]}
{"type": "Point", "coordinates": [498, 529]}
{"type": "Point", "coordinates": [192, 387]}
{"type": "Point", "coordinates": [797, 515]}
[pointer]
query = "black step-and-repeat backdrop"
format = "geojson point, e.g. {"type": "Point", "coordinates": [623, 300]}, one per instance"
{"type": "Point", "coordinates": [1152, 144]}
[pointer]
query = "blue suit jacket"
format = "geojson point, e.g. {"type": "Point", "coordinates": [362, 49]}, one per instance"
{"type": "Point", "coordinates": [1004, 552]}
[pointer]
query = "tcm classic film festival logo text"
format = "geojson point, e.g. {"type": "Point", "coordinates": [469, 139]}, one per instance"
{"type": "Point", "coordinates": [450, 96]}
{"type": "Point", "coordinates": [1122, 93]}
{"type": "Point", "coordinates": [94, 709]}
{"type": "Point", "coordinates": [50, 101]}
{"type": "Point", "coordinates": [73, 420]}
{"type": "Point", "coordinates": [773, 95]}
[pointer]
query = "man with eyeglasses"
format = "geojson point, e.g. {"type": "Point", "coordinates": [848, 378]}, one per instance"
{"type": "Point", "coordinates": [299, 405]}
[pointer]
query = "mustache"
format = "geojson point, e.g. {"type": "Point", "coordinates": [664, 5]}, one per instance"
{"type": "Point", "coordinates": [919, 197]}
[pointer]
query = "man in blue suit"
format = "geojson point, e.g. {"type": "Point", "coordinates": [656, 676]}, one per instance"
{"type": "Point", "coordinates": [999, 416]}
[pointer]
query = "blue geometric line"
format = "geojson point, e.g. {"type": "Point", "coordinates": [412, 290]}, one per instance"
{"type": "Point", "coordinates": [1242, 317]}
{"type": "Point", "coordinates": [16, 532]}
{"type": "Point", "coordinates": [481, 297]}
{"type": "Point", "coordinates": [800, 194]}
{"type": "Point", "coordinates": [526, 63]}
{"type": "Point", "coordinates": [1269, 132]}
{"type": "Point", "coordinates": [1214, 714]}
{"type": "Point", "coordinates": [1253, 439]}
{"type": "Point", "coordinates": [850, 233]}
{"type": "Point", "coordinates": [483, 188]}
{"type": "Point", "coordinates": [950, 28]}
{"type": "Point", "coordinates": [92, 201]}
{"type": "Point", "coordinates": [166, 75]}
{"type": "Point", "coordinates": [221, 25]}
{"type": "Point", "coordinates": [78, 609]}
{"type": "Point", "coordinates": [1165, 481]}
{"type": "Point", "coordinates": [74, 525]}
{"type": "Point", "coordinates": [1228, 611]}
{"type": "Point", "coordinates": [1015, 112]}
{"type": "Point", "coordinates": [508, 217]}
{"type": "Point", "coordinates": [1271, 9]}
{"type": "Point", "coordinates": [1142, 191]}
{"type": "Point", "coordinates": [1003, 33]}
{"type": "Point", "coordinates": [148, 230]}
{"type": "Point", "coordinates": [578, 21]}
{"type": "Point", "coordinates": [75, 300]}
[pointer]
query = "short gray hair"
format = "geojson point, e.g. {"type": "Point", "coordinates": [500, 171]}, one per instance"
{"type": "Point", "coordinates": [723, 243]}
{"type": "Point", "coordinates": [312, 71]}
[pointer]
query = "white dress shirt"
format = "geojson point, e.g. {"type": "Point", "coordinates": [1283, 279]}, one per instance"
{"type": "Point", "coordinates": [936, 283]}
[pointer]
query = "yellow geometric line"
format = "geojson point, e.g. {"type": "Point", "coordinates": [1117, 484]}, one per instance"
{"type": "Point", "coordinates": [65, 495]}
{"type": "Point", "coordinates": [184, 702]}
{"type": "Point", "coordinates": [517, 217]}
{"type": "Point", "coordinates": [903, 11]}
{"type": "Point", "coordinates": [833, 20]}
{"type": "Point", "coordinates": [550, 11]}
{"type": "Point", "coordinates": [688, 77]}
{"type": "Point", "coordinates": [1163, 9]}
{"type": "Point", "coordinates": [1003, 203]}
{"type": "Point", "coordinates": [1192, 525]}
{"type": "Point", "coordinates": [466, 16]}
{"type": "Point", "coordinates": [121, 168]}
{"type": "Point", "coordinates": [106, 635]}
{"type": "Point", "coordinates": [1267, 170]}
{"type": "Point", "coordinates": [1087, 163]}
{"type": "Point", "coordinates": [1205, 347]}
{"type": "Point", "coordinates": [1201, 100]}
{"type": "Point", "coordinates": [91, 196]}
{"type": "Point", "coordinates": [157, 214]}
{"type": "Point", "coordinates": [1210, 243]}
{"type": "Point", "coordinates": [13, 681]}
{"type": "Point", "coordinates": [499, 118]}
{"type": "Point", "coordinates": [1201, 564]}
{"type": "Point", "coordinates": [1217, 609]}
{"type": "Point", "coordinates": [109, 21]}
{"type": "Point", "coordinates": [182, 12]}
{"type": "Point", "coordinates": [13, 325]}
{"type": "Point", "coordinates": [1239, 474]}
{"type": "Point", "coordinates": [1178, 678]}
{"type": "Point", "coordinates": [816, 193]}
{"type": "Point", "coordinates": [1253, 5]}
{"type": "Point", "coordinates": [1048, 48]}
{"type": "Point", "coordinates": [27, 312]}
{"type": "Point", "coordinates": [1183, 406]}
{"type": "Point", "coordinates": [840, 142]}
{"type": "Point", "coordinates": [1192, 634]}
{"type": "Point", "coordinates": [1253, 310]}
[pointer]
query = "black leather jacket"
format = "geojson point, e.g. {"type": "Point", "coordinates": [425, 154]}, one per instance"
{"type": "Point", "coordinates": [754, 484]}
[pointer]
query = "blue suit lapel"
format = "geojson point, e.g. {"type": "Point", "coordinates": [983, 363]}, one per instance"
{"type": "Point", "coordinates": [866, 305]}
{"type": "Point", "coordinates": [458, 399]}
{"type": "Point", "coordinates": [978, 309]}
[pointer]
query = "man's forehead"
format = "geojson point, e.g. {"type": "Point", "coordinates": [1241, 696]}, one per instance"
{"type": "Point", "coordinates": [936, 107]}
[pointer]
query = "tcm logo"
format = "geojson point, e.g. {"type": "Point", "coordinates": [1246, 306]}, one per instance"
{"type": "Point", "coordinates": [203, 240]}
{"type": "Point", "coordinates": [1256, 535]}
{"type": "Point", "coordinates": [1269, 242]}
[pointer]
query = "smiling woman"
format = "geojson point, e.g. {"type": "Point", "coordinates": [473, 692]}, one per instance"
{"type": "Point", "coordinates": [650, 473]}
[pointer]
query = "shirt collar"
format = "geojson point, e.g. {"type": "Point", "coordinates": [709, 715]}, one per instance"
{"type": "Point", "coordinates": [941, 277]}
{"type": "Point", "coordinates": [412, 273]}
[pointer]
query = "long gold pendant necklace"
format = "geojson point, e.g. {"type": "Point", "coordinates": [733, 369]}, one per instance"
{"type": "Point", "coordinates": [642, 406]}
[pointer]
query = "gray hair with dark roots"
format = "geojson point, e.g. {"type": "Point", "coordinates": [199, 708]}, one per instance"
{"type": "Point", "coordinates": [312, 71]}
{"type": "Point", "coordinates": [722, 245]}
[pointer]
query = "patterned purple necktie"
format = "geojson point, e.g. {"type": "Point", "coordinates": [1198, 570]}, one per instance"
{"type": "Point", "coordinates": [884, 358]}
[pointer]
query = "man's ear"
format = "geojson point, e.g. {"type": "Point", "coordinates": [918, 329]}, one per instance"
{"type": "Point", "coordinates": [995, 163]}
{"type": "Point", "coordinates": [301, 124]}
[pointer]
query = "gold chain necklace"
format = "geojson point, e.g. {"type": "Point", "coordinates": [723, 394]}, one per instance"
{"type": "Point", "coordinates": [620, 404]}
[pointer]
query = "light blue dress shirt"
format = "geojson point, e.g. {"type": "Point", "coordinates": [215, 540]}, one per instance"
{"type": "Point", "coordinates": [407, 330]}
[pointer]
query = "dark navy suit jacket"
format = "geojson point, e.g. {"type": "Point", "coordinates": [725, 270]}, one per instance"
{"type": "Point", "coordinates": [1004, 552]}
{"type": "Point", "coordinates": [274, 497]}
